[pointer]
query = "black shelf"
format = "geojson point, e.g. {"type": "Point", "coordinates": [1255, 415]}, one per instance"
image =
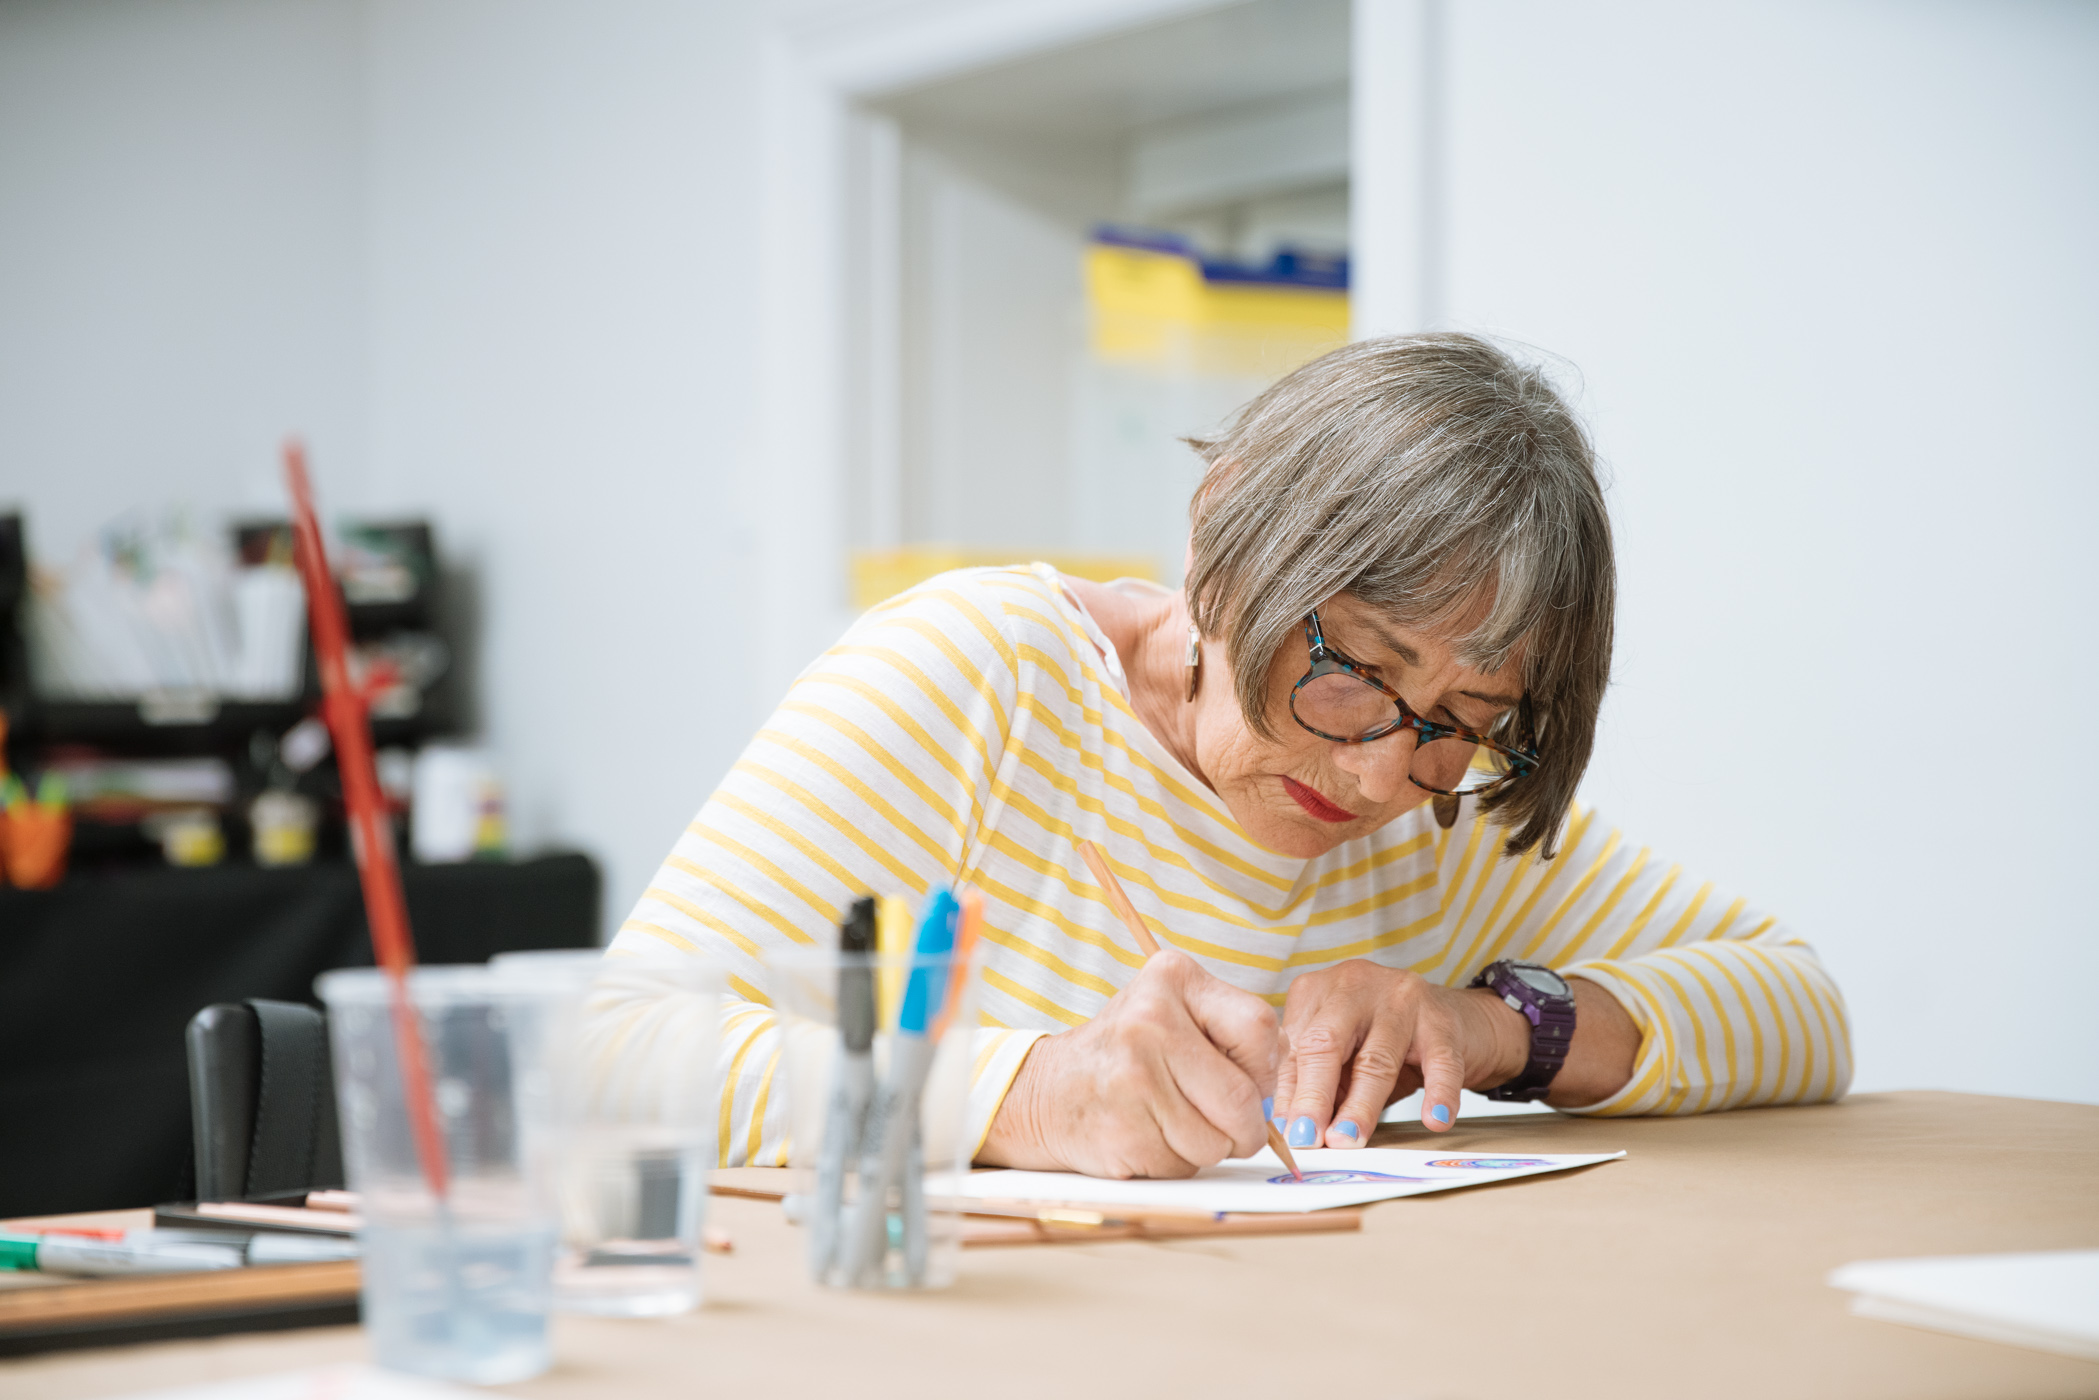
{"type": "Point", "coordinates": [135, 729]}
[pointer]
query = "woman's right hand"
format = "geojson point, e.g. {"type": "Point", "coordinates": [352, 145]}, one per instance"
{"type": "Point", "coordinates": [1169, 1078]}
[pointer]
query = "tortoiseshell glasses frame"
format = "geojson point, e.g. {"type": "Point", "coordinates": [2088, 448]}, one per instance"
{"type": "Point", "coordinates": [1326, 661]}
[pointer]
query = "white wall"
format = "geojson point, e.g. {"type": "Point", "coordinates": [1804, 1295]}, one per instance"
{"type": "Point", "coordinates": [992, 333]}
{"type": "Point", "coordinates": [564, 312]}
{"type": "Point", "coordinates": [1828, 274]}
{"type": "Point", "coordinates": [180, 276]}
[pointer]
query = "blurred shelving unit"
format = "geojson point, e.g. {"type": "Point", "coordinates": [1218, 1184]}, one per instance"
{"type": "Point", "coordinates": [186, 720]}
{"type": "Point", "coordinates": [401, 611]}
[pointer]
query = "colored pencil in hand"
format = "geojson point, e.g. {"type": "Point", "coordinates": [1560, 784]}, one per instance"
{"type": "Point", "coordinates": [1148, 945]}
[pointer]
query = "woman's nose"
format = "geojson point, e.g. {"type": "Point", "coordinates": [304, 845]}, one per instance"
{"type": "Point", "coordinates": [1380, 766]}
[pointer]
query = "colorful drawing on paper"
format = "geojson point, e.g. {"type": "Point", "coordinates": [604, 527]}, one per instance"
{"type": "Point", "coordinates": [1346, 1178]}
{"type": "Point", "coordinates": [1336, 1176]}
{"type": "Point", "coordinates": [1488, 1164]}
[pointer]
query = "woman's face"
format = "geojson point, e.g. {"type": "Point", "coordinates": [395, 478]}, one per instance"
{"type": "Point", "coordinates": [1300, 795]}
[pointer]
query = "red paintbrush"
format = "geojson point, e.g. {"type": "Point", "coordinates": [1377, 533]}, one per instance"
{"type": "Point", "coordinates": [371, 837]}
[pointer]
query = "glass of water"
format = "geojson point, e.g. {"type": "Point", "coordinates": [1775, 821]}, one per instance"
{"type": "Point", "coordinates": [637, 1107]}
{"type": "Point", "coordinates": [456, 1286]}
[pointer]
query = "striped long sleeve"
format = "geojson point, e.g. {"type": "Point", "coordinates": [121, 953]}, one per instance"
{"type": "Point", "coordinates": [976, 727]}
{"type": "Point", "coordinates": [874, 775]}
{"type": "Point", "coordinates": [1733, 1009]}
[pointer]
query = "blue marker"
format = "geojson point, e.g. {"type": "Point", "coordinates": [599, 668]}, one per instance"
{"type": "Point", "coordinates": [927, 989]}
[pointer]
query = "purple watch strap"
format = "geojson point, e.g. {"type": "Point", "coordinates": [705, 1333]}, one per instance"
{"type": "Point", "coordinates": [1552, 1029]}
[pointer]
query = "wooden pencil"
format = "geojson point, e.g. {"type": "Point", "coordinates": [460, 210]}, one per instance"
{"type": "Point", "coordinates": [987, 1231]}
{"type": "Point", "coordinates": [1120, 902]}
{"type": "Point", "coordinates": [1149, 945]}
{"type": "Point", "coordinates": [1032, 1209]}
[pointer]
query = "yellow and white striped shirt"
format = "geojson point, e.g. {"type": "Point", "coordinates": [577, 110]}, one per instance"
{"type": "Point", "coordinates": [971, 729]}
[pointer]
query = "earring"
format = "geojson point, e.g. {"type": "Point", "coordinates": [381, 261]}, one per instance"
{"type": "Point", "coordinates": [1195, 659]}
{"type": "Point", "coordinates": [1445, 806]}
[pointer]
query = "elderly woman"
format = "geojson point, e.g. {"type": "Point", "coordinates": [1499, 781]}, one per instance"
{"type": "Point", "coordinates": [1336, 772]}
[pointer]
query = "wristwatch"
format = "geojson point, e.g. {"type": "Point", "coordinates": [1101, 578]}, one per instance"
{"type": "Point", "coordinates": [1547, 1002]}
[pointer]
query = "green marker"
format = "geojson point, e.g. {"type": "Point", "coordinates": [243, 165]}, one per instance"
{"type": "Point", "coordinates": [77, 1254]}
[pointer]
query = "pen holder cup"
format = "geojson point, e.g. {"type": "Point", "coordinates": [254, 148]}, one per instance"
{"type": "Point", "coordinates": [636, 1104]}
{"type": "Point", "coordinates": [456, 1285]}
{"type": "Point", "coordinates": [878, 1139]}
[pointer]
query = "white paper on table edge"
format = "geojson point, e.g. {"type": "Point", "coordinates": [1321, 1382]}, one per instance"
{"type": "Point", "coordinates": [1902, 1291]}
{"type": "Point", "coordinates": [1981, 1329]}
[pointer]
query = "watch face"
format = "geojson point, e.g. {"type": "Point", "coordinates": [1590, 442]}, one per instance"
{"type": "Point", "coordinates": [1542, 979]}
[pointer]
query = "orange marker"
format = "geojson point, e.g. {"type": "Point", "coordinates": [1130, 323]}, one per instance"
{"type": "Point", "coordinates": [969, 924]}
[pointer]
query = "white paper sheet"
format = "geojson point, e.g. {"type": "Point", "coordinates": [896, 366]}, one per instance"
{"type": "Point", "coordinates": [1261, 1184]}
{"type": "Point", "coordinates": [322, 1383]}
{"type": "Point", "coordinates": [2048, 1301]}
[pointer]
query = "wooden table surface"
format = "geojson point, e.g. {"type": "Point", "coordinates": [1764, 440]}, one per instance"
{"type": "Point", "coordinates": [1694, 1267]}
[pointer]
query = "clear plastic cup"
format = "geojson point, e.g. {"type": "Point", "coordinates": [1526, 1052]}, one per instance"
{"type": "Point", "coordinates": [841, 1159]}
{"type": "Point", "coordinates": [455, 1288]}
{"type": "Point", "coordinates": [637, 1107]}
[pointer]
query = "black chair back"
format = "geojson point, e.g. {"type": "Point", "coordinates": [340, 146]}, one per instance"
{"type": "Point", "coordinates": [262, 1100]}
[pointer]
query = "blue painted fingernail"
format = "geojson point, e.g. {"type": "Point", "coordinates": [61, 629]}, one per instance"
{"type": "Point", "coordinates": [1441, 1113]}
{"type": "Point", "coordinates": [1268, 1109]}
{"type": "Point", "coordinates": [1347, 1127]}
{"type": "Point", "coordinates": [1302, 1133]}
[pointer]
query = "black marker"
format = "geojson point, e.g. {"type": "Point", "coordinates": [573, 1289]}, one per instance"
{"type": "Point", "coordinates": [853, 1082]}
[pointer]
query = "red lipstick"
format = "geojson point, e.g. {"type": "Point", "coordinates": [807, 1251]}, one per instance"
{"type": "Point", "coordinates": [1313, 803]}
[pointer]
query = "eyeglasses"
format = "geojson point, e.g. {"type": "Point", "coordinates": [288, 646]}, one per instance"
{"type": "Point", "coordinates": [1339, 699]}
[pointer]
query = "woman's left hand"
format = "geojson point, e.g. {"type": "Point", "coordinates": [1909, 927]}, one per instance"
{"type": "Point", "coordinates": [1360, 1036]}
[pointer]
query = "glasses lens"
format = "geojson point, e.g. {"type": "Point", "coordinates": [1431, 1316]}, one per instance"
{"type": "Point", "coordinates": [1344, 707]}
{"type": "Point", "coordinates": [1457, 765]}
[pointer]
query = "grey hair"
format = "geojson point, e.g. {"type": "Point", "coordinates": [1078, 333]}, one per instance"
{"type": "Point", "coordinates": [1430, 476]}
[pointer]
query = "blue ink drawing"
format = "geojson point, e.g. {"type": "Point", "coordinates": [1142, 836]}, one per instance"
{"type": "Point", "coordinates": [1345, 1178]}
{"type": "Point", "coordinates": [1490, 1164]}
